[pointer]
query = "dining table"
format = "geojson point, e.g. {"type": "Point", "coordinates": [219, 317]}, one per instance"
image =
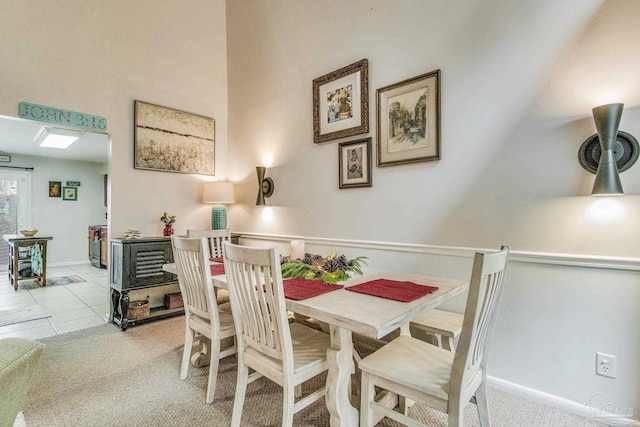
{"type": "Point", "coordinates": [349, 313]}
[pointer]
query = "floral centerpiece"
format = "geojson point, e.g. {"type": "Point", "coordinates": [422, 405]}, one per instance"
{"type": "Point", "coordinates": [331, 269]}
{"type": "Point", "coordinates": [168, 223]}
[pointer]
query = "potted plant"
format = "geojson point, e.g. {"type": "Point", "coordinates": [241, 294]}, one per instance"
{"type": "Point", "coordinates": [168, 223]}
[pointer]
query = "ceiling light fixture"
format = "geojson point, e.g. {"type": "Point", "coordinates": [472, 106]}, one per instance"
{"type": "Point", "coordinates": [57, 138]}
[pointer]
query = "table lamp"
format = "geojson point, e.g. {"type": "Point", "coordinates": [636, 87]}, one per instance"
{"type": "Point", "coordinates": [219, 193]}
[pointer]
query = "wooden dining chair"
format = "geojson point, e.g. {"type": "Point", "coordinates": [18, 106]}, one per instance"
{"type": "Point", "coordinates": [206, 322]}
{"type": "Point", "coordinates": [433, 376]}
{"type": "Point", "coordinates": [215, 239]}
{"type": "Point", "coordinates": [438, 327]}
{"type": "Point", "coordinates": [286, 353]}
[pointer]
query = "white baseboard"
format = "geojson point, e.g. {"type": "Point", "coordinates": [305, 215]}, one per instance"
{"type": "Point", "coordinates": [563, 404]}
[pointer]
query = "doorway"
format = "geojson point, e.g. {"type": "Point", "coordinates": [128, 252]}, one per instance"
{"type": "Point", "coordinates": [15, 206]}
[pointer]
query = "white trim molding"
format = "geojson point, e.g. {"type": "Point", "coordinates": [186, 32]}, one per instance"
{"type": "Point", "coordinates": [583, 410]}
{"type": "Point", "coordinates": [570, 260]}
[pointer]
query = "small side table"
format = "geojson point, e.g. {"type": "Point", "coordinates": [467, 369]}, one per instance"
{"type": "Point", "coordinates": [17, 241]}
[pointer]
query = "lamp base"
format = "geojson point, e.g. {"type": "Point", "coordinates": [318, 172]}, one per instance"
{"type": "Point", "coordinates": [219, 217]}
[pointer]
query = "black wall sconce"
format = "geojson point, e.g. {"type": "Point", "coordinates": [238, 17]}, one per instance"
{"type": "Point", "coordinates": [265, 186]}
{"type": "Point", "coordinates": [609, 152]}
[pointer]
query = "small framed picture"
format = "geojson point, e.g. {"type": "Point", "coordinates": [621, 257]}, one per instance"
{"type": "Point", "coordinates": [55, 188]}
{"type": "Point", "coordinates": [341, 103]}
{"type": "Point", "coordinates": [355, 163]}
{"type": "Point", "coordinates": [69, 193]}
{"type": "Point", "coordinates": [409, 120]}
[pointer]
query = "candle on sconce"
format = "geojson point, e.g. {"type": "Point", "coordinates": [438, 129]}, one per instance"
{"type": "Point", "coordinates": [297, 249]}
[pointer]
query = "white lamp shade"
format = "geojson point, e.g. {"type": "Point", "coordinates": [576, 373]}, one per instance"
{"type": "Point", "coordinates": [218, 192]}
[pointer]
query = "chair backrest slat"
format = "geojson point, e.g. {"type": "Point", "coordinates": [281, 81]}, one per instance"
{"type": "Point", "coordinates": [215, 239]}
{"type": "Point", "coordinates": [191, 256]}
{"type": "Point", "coordinates": [485, 290]}
{"type": "Point", "coordinates": [257, 301]}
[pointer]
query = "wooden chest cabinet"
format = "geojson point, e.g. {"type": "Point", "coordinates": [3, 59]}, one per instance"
{"type": "Point", "coordinates": [137, 264]}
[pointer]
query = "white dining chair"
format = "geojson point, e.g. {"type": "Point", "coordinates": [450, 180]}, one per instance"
{"type": "Point", "coordinates": [286, 353]}
{"type": "Point", "coordinates": [206, 322]}
{"type": "Point", "coordinates": [438, 327]}
{"type": "Point", "coordinates": [438, 378]}
{"type": "Point", "coordinates": [215, 239]}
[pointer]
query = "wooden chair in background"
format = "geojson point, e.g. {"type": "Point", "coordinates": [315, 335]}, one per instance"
{"type": "Point", "coordinates": [206, 321]}
{"type": "Point", "coordinates": [215, 239]}
{"type": "Point", "coordinates": [434, 376]}
{"type": "Point", "coordinates": [288, 354]}
{"type": "Point", "coordinates": [438, 327]}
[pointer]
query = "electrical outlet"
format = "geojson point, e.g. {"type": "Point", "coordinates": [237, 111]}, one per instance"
{"type": "Point", "coordinates": [605, 365]}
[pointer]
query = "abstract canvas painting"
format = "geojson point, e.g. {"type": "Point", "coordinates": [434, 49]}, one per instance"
{"type": "Point", "coordinates": [172, 140]}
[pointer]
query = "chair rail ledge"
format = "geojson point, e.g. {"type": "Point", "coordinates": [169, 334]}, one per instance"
{"type": "Point", "coordinates": [568, 260]}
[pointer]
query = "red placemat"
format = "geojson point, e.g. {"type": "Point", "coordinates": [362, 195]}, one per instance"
{"type": "Point", "coordinates": [299, 289]}
{"type": "Point", "coordinates": [216, 259]}
{"type": "Point", "coordinates": [393, 289]}
{"type": "Point", "coordinates": [217, 269]}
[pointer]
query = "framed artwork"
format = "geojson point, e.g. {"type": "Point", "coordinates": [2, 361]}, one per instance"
{"type": "Point", "coordinates": [69, 193]}
{"type": "Point", "coordinates": [55, 188]}
{"type": "Point", "coordinates": [409, 120]}
{"type": "Point", "coordinates": [173, 141]}
{"type": "Point", "coordinates": [341, 103]}
{"type": "Point", "coordinates": [355, 163]}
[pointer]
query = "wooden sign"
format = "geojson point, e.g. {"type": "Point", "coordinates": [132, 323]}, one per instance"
{"type": "Point", "coordinates": [42, 113]}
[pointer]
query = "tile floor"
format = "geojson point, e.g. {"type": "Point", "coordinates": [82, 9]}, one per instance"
{"type": "Point", "coordinates": [73, 306]}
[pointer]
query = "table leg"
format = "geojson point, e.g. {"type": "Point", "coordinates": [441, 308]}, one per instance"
{"type": "Point", "coordinates": [202, 357]}
{"type": "Point", "coordinates": [44, 262]}
{"type": "Point", "coordinates": [15, 249]}
{"type": "Point", "coordinates": [115, 303]}
{"type": "Point", "coordinates": [341, 367]}
{"type": "Point", "coordinates": [124, 308]}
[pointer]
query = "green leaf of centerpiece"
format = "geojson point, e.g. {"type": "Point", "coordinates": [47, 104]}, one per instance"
{"type": "Point", "coordinates": [331, 269]}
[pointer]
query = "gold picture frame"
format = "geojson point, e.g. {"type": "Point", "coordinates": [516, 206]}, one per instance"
{"type": "Point", "coordinates": [55, 188]}
{"type": "Point", "coordinates": [355, 162]}
{"type": "Point", "coordinates": [341, 103]}
{"type": "Point", "coordinates": [408, 116]}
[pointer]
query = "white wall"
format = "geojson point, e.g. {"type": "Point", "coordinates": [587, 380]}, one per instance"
{"type": "Point", "coordinates": [65, 220]}
{"type": "Point", "coordinates": [519, 80]}
{"type": "Point", "coordinates": [510, 134]}
{"type": "Point", "coordinates": [98, 57]}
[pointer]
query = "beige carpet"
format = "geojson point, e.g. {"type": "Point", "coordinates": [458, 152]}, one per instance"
{"type": "Point", "coordinates": [104, 377]}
